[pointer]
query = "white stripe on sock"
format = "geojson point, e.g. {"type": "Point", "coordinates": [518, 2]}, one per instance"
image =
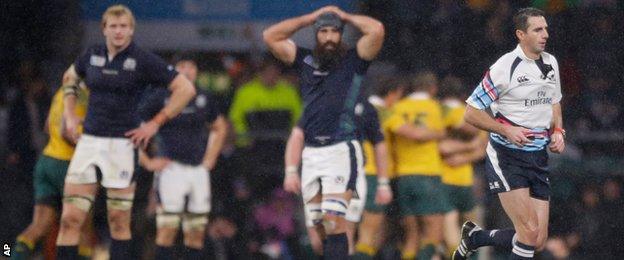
{"type": "Point", "coordinates": [515, 251]}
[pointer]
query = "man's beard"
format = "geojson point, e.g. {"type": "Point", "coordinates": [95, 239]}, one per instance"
{"type": "Point", "coordinates": [328, 58]}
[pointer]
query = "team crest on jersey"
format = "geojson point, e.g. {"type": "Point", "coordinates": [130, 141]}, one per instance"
{"type": "Point", "coordinates": [200, 101]}
{"type": "Point", "coordinates": [124, 174]}
{"type": "Point", "coordinates": [97, 61]}
{"type": "Point", "coordinates": [129, 64]}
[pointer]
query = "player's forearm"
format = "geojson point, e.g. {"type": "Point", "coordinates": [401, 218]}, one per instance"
{"type": "Point", "coordinates": [284, 30]}
{"type": "Point", "coordinates": [557, 121]}
{"type": "Point", "coordinates": [419, 133]}
{"type": "Point", "coordinates": [381, 160]}
{"type": "Point", "coordinates": [69, 105]}
{"type": "Point", "coordinates": [218, 132]}
{"type": "Point", "coordinates": [482, 120]}
{"type": "Point", "coordinates": [182, 91]}
{"type": "Point", "coordinates": [368, 26]}
{"type": "Point", "coordinates": [294, 148]}
{"type": "Point", "coordinates": [450, 147]}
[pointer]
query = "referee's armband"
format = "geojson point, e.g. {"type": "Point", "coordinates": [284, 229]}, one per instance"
{"type": "Point", "coordinates": [70, 90]}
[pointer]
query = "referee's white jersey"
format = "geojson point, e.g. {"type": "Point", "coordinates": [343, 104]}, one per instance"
{"type": "Point", "coordinates": [520, 91]}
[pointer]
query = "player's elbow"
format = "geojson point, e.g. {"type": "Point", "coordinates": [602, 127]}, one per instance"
{"type": "Point", "coordinates": [378, 30]}
{"type": "Point", "coordinates": [267, 37]}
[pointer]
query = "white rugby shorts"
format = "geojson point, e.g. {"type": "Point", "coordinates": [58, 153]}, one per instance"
{"type": "Point", "coordinates": [114, 156]}
{"type": "Point", "coordinates": [178, 181]}
{"type": "Point", "coordinates": [335, 168]}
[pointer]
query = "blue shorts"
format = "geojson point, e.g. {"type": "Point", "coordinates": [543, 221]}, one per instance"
{"type": "Point", "coordinates": [508, 169]}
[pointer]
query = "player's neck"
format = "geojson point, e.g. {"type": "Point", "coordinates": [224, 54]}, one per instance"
{"type": "Point", "coordinates": [113, 50]}
{"type": "Point", "coordinates": [529, 54]}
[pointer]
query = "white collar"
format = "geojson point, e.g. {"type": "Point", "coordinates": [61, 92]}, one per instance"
{"type": "Point", "coordinates": [376, 101]}
{"type": "Point", "coordinates": [419, 95]}
{"type": "Point", "coordinates": [452, 102]}
{"type": "Point", "coordinates": [520, 53]}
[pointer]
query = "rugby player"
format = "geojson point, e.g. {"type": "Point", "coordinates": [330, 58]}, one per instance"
{"type": "Point", "coordinates": [416, 126]}
{"type": "Point", "coordinates": [116, 74]}
{"type": "Point", "coordinates": [188, 148]}
{"type": "Point", "coordinates": [370, 232]}
{"type": "Point", "coordinates": [463, 145]}
{"type": "Point", "coordinates": [49, 177]}
{"type": "Point", "coordinates": [523, 90]}
{"type": "Point", "coordinates": [331, 77]}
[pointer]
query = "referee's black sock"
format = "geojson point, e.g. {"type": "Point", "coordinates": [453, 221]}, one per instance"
{"type": "Point", "coordinates": [501, 238]}
{"type": "Point", "coordinates": [164, 252]}
{"type": "Point", "coordinates": [521, 251]}
{"type": "Point", "coordinates": [67, 252]}
{"type": "Point", "coordinates": [336, 247]}
{"type": "Point", "coordinates": [192, 253]}
{"type": "Point", "coordinates": [120, 249]}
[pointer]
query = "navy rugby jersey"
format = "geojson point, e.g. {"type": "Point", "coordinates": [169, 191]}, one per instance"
{"type": "Point", "coordinates": [329, 97]}
{"type": "Point", "coordinates": [116, 86]}
{"type": "Point", "coordinates": [367, 122]}
{"type": "Point", "coordinates": [184, 138]}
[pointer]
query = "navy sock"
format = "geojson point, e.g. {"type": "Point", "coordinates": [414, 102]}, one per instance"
{"type": "Point", "coordinates": [164, 252]}
{"type": "Point", "coordinates": [120, 249]}
{"type": "Point", "coordinates": [67, 252]}
{"type": "Point", "coordinates": [192, 253]}
{"type": "Point", "coordinates": [521, 251]}
{"type": "Point", "coordinates": [336, 247]}
{"type": "Point", "coordinates": [501, 238]}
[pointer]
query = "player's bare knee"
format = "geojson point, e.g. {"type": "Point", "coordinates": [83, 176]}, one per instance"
{"type": "Point", "coordinates": [194, 239]}
{"type": "Point", "coordinates": [119, 221]}
{"type": "Point", "coordinates": [165, 236]}
{"type": "Point", "coordinates": [71, 221]}
{"type": "Point", "coordinates": [334, 210]}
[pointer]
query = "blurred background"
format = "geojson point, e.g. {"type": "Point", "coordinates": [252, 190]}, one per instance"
{"type": "Point", "coordinates": [252, 217]}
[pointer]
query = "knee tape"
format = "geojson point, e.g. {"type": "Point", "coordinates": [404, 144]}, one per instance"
{"type": "Point", "coordinates": [314, 214]}
{"type": "Point", "coordinates": [334, 206]}
{"type": "Point", "coordinates": [82, 202]}
{"type": "Point", "coordinates": [119, 201]}
{"type": "Point", "coordinates": [194, 222]}
{"type": "Point", "coordinates": [167, 220]}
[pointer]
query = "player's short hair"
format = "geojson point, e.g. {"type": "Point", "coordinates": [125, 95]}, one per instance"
{"type": "Point", "coordinates": [386, 84]}
{"type": "Point", "coordinates": [117, 10]}
{"type": "Point", "coordinates": [184, 56]}
{"type": "Point", "coordinates": [521, 18]}
{"type": "Point", "coordinates": [423, 81]}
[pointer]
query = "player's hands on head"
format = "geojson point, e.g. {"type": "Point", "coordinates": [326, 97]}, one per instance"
{"type": "Point", "coordinates": [557, 143]}
{"type": "Point", "coordinates": [516, 135]}
{"type": "Point", "coordinates": [141, 136]}
{"type": "Point", "coordinates": [383, 195]}
{"type": "Point", "coordinates": [292, 183]}
{"type": "Point", "coordinates": [157, 164]}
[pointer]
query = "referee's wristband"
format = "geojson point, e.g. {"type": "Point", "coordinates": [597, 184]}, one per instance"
{"type": "Point", "coordinates": [559, 130]}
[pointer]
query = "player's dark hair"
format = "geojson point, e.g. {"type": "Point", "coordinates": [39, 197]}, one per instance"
{"type": "Point", "coordinates": [184, 56]}
{"type": "Point", "coordinates": [386, 84]}
{"type": "Point", "coordinates": [521, 18]}
{"type": "Point", "coordinates": [452, 87]}
{"type": "Point", "coordinates": [423, 81]}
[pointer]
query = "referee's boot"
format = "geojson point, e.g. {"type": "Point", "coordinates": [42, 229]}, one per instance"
{"type": "Point", "coordinates": [464, 250]}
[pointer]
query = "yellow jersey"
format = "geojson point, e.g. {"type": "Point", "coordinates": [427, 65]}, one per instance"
{"type": "Point", "coordinates": [370, 168]}
{"type": "Point", "coordinates": [57, 146]}
{"type": "Point", "coordinates": [413, 157]}
{"type": "Point", "coordinates": [453, 114]}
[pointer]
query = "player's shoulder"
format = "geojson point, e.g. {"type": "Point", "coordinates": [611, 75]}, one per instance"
{"type": "Point", "coordinates": [505, 62]}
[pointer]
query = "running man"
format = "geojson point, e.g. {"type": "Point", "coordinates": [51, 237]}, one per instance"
{"type": "Point", "coordinates": [116, 74]}
{"type": "Point", "coordinates": [523, 90]}
{"type": "Point", "coordinates": [331, 77]}
{"type": "Point", "coordinates": [49, 177]}
{"type": "Point", "coordinates": [463, 145]}
{"type": "Point", "coordinates": [416, 126]}
{"type": "Point", "coordinates": [188, 147]}
{"type": "Point", "coordinates": [370, 232]}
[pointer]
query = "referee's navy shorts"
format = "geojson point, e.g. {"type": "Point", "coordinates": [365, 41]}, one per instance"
{"type": "Point", "coordinates": [508, 169]}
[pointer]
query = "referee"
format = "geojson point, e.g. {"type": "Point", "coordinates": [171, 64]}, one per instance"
{"type": "Point", "coordinates": [523, 90]}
